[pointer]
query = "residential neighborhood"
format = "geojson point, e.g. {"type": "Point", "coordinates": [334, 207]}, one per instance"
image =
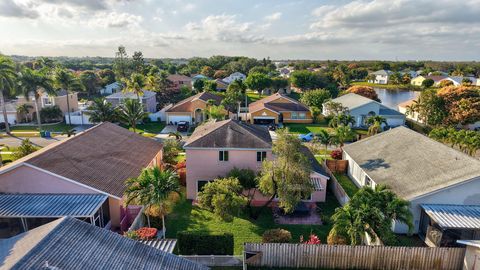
{"type": "Point", "coordinates": [226, 136]}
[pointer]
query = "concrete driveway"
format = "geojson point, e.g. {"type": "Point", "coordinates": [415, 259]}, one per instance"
{"type": "Point", "coordinates": [38, 141]}
{"type": "Point", "coordinates": [168, 128]}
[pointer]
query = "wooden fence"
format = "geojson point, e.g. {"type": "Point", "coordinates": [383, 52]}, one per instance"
{"type": "Point", "coordinates": [336, 188]}
{"type": "Point", "coordinates": [352, 257]}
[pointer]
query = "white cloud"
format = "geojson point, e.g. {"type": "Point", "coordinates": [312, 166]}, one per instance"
{"type": "Point", "coordinates": [189, 7]}
{"type": "Point", "coordinates": [273, 17]}
{"type": "Point", "coordinates": [10, 8]}
{"type": "Point", "coordinates": [115, 20]}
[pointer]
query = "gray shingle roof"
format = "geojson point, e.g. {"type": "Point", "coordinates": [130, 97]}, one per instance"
{"type": "Point", "coordinates": [388, 111]}
{"type": "Point", "coordinates": [50, 205]}
{"type": "Point", "coordinates": [352, 101]}
{"type": "Point", "coordinates": [230, 134]}
{"type": "Point", "coordinates": [411, 164]}
{"type": "Point", "coordinates": [69, 243]}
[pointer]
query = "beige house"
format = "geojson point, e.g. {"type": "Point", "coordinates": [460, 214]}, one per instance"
{"type": "Point", "coordinates": [278, 108]}
{"type": "Point", "coordinates": [192, 109]}
{"type": "Point", "coordinates": [96, 161]}
{"type": "Point", "coordinates": [46, 100]}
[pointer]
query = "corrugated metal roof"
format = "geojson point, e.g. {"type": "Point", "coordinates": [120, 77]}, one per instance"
{"type": "Point", "coordinates": [69, 243]}
{"type": "Point", "coordinates": [450, 216]}
{"type": "Point", "coordinates": [166, 245]}
{"type": "Point", "coordinates": [50, 205]}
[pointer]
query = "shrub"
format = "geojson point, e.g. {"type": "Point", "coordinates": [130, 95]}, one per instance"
{"type": "Point", "coordinates": [276, 236]}
{"type": "Point", "coordinates": [147, 120]}
{"type": "Point", "coordinates": [246, 177]}
{"type": "Point", "coordinates": [200, 243]}
{"type": "Point", "coordinates": [336, 154]}
{"type": "Point", "coordinates": [146, 233]}
{"type": "Point", "coordinates": [131, 234]}
{"type": "Point", "coordinates": [334, 238]}
{"type": "Point", "coordinates": [313, 240]}
{"type": "Point", "coordinates": [51, 114]}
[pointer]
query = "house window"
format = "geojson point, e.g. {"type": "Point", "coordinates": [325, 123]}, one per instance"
{"type": "Point", "coordinates": [261, 156]}
{"type": "Point", "coordinates": [302, 115]}
{"type": "Point", "coordinates": [368, 181]}
{"type": "Point", "coordinates": [223, 155]}
{"type": "Point", "coordinates": [47, 101]}
{"type": "Point", "coordinates": [294, 115]}
{"type": "Point", "coordinates": [201, 184]}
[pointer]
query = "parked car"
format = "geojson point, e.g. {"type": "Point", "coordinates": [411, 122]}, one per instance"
{"type": "Point", "coordinates": [182, 126]}
{"type": "Point", "coordinates": [2, 125]}
{"type": "Point", "coordinates": [306, 137]}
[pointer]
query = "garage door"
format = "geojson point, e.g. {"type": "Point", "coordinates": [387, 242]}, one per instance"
{"type": "Point", "coordinates": [395, 122]}
{"type": "Point", "coordinates": [177, 118]}
{"type": "Point", "coordinates": [264, 120]}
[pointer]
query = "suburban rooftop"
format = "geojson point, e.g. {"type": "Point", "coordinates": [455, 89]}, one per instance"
{"type": "Point", "coordinates": [411, 164]}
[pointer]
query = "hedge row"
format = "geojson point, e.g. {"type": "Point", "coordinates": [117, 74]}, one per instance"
{"type": "Point", "coordinates": [197, 243]}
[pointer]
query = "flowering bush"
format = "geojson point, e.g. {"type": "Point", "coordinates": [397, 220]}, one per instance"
{"type": "Point", "coordinates": [336, 154]}
{"type": "Point", "coordinates": [181, 165]}
{"type": "Point", "coordinates": [313, 240]}
{"type": "Point", "coordinates": [146, 233]}
{"type": "Point", "coordinates": [131, 234]}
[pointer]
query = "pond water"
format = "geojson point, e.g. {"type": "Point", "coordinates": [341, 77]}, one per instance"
{"type": "Point", "coordinates": [392, 97]}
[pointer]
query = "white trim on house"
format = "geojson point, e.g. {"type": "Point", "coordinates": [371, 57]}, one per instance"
{"type": "Point", "coordinates": [70, 180]}
{"type": "Point", "coordinates": [266, 109]}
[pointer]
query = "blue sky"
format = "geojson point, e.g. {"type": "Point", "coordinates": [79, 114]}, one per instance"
{"type": "Point", "coordinates": [279, 29]}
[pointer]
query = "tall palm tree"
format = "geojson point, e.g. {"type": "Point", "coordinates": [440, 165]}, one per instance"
{"type": "Point", "coordinates": [101, 111]}
{"type": "Point", "coordinates": [324, 138]}
{"type": "Point", "coordinates": [23, 110]}
{"type": "Point", "coordinates": [241, 87]}
{"type": "Point", "coordinates": [65, 80]}
{"type": "Point", "coordinates": [342, 119]}
{"type": "Point", "coordinates": [135, 84]}
{"type": "Point", "coordinates": [7, 84]}
{"type": "Point", "coordinates": [131, 112]}
{"type": "Point", "coordinates": [375, 124]}
{"type": "Point", "coordinates": [342, 134]}
{"type": "Point", "coordinates": [34, 83]}
{"type": "Point", "coordinates": [154, 188]}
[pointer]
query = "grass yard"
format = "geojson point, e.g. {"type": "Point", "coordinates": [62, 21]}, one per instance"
{"type": "Point", "coordinates": [186, 216]}
{"type": "Point", "coordinates": [253, 96]}
{"type": "Point", "coordinates": [61, 127]}
{"type": "Point", "coordinates": [347, 184]}
{"type": "Point", "coordinates": [307, 128]}
{"type": "Point", "coordinates": [390, 86]}
{"type": "Point", "coordinates": [152, 127]}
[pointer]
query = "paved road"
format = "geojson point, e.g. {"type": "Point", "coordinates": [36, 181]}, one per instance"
{"type": "Point", "coordinates": [16, 141]}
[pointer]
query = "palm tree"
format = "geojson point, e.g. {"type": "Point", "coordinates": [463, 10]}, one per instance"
{"type": "Point", "coordinates": [343, 134]}
{"type": "Point", "coordinates": [342, 119]}
{"type": "Point", "coordinates": [23, 110]}
{"type": "Point", "coordinates": [101, 111]}
{"type": "Point", "coordinates": [131, 112]}
{"type": "Point", "coordinates": [375, 124]}
{"type": "Point", "coordinates": [324, 138]}
{"type": "Point", "coordinates": [67, 81]}
{"type": "Point", "coordinates": [135, 84]}
{"type": "Point", "coordinates": [175, 134]}
{"type": "Point", "coordinates": [241, 87]}
{"type": "Point", "coordinates": [35, 83]}
{"type": "Point", "coordinates": [7, 84]}
{"type": "Point", "coordinates": [154, 188]}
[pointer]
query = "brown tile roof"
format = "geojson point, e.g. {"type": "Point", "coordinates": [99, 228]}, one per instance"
{"type": "Point", "coordinates": [186, 104]}
{"type": "Point", "coordinates": [102, 157]}
{"type": "Point", "coordinates": [269, 103]}
{"type": "Point", "coordinates": [436, 78]}
{"type": "Point", "coordinates": [230, 134]}
{"type": "Point", "coordinates": [178, 77]}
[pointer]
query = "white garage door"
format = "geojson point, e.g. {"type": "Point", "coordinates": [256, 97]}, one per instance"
{"type": "Point", "coordinates": [12, 118]}
{"type": "Point", "coordinates": [395, 122]}
{"type": "Point", "coordinates": [177, 118]}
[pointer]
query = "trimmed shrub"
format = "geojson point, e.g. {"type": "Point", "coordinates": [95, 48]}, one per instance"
{"type": "Point", "coordinates": [276, 236]}
{"type": "Point", "coordinates": [146, 233]}
{"type": "Point", "coordinates": [199, 243]}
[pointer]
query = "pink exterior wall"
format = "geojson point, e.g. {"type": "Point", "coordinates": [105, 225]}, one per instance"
{"type": "Point", "coordinates": [24, 179]}
{"type": "Point", "coordinates": [204, 165]}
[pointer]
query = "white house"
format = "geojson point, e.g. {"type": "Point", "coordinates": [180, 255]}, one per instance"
{"type": "Point", "coordinates": [235, 76]}
{"type": "Point", "coordinates": [111, 88]}
{"type": "Point", "coordinates": [417, 168]}
{"type": "Point", "coordinates": [457, 80]}
{"type": "Point", "coordinates": [11, 113]}
{"type": "Point", "coordinates": [381, 76]}
{"type": "Point", "coordinates": [361, 108]}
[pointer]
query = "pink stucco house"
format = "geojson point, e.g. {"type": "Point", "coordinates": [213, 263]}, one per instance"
{"type": "Point", "coordinates": [215, 148]}
{"type": "Point", "coordinates": [96, 161]}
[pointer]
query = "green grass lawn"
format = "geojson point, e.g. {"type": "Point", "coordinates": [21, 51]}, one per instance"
{"type": "Point", "coordinates": [61, 127]}
{"type": "Point", "coordinates": [307, 128]}
{"type": "Point", "coordinates": [253, 96]}
{"type": "Point", "coordinates": [185, 216]}
{"type": "Point", "coordinates": [389, 86]}
{"type": "Point", "coordinates": [152, 127]}
{"type": "Point", "coordinates": [347, 184]}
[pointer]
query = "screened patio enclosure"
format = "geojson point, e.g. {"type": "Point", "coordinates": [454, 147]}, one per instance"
{"type": "Point", "coordinates": [441, 225]}
{"type": "Point", "coordinates": [22, 212]}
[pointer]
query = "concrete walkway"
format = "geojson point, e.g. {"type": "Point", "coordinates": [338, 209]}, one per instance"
{"type": "Point", "coordinates": [37, 141]}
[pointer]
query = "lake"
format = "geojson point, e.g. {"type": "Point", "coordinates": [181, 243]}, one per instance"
{"type": "Point", "coordinates": [392, 97]}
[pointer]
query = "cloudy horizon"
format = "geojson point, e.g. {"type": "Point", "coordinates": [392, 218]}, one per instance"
{"type": "Point", "coordinates": [279, 29]}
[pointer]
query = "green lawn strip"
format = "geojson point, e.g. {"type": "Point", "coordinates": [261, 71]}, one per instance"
{"type": "Point", "coordinates": [253, 96]}
{"type": "Point", "coordinates": [192, 218]}
{"type": "Point", "coordinates": [153, 127]}
{"type": "Point", "coordinates": [347, 184]}
{"type": "Point", "coordinates": [389, 86]}
{"type": "Point", "coordinates": [61, 127]}
{"type": "Point", "coordinates": [307, 128]}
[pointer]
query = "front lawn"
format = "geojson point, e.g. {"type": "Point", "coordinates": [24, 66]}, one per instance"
{"type": "Point", "coordinates": [186, 216]}
{"type": "Point", "coordinates": [347, 184]}
{"type": "Point", "coordinates": [152, 127]}
{"type": "Point", "coordinates": [60, 127]}
{"type": "Point", "coordinates": [389, 86]}
{"type": "Point", "coordinates": [307, 128]}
